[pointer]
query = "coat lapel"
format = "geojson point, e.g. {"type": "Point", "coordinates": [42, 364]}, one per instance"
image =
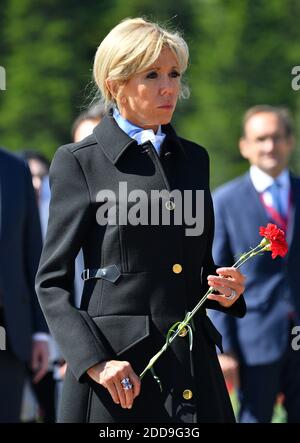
{"type": "Point", "coordinates": [254, 200]}
{"type": "Point", "coordinates": [108, 130]}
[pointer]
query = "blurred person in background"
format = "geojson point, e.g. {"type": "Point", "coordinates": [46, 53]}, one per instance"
{"type": "Point", "coordinates": [45, 390]}
{"type": "Point", "coordinates": [86, 121]}
{"type": "Point", "coordinates": [39, 167]}
{"type": "Point", "coordinates": [259, 358]}
{"type": "Point", "coordinates": [20, 313]}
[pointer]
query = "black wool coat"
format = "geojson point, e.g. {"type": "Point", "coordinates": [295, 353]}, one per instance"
{"type": "Point", "coordinates": [126, 313]}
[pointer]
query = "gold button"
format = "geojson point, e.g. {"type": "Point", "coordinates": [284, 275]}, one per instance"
{"type": "Point", "coordinates": [183, 332]}
{"type": "Point", "coordinates": [177, 268]}
{"type": "Point", "coordinates": [187, 394]}
{"type": "Point", "coordinates": [170, 205]}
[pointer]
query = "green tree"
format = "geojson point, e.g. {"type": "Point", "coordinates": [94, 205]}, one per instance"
{"type": "Point", "coordinates": [245, 52]}
{"type": "Point", "coordinates": [242, 53]}
{"type": "Point", "coordinates": [47, 68]}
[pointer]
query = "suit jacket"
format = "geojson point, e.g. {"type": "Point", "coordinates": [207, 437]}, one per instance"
{"type": "Point", "coordinates": [20, 249]}
{"type": "Point", "coordinates": [126, 313]}
{"type": "Point", "coordinates": [262, 336]}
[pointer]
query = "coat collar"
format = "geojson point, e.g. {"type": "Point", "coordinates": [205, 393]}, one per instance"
{"type": "Point", "coordinates": [294, 218]}
{"type": "Point", "coordinates": [115, 142]}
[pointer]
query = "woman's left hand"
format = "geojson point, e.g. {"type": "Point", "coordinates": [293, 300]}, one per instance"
{"type": "Point", "coordinates": [230, 283]}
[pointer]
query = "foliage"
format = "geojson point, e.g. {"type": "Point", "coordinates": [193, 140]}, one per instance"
{"type": "Point", "coordinates": [242, 53]}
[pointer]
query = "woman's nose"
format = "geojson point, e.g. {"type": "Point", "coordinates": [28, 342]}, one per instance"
{"type": "Point", "coordinates": [167, 87]}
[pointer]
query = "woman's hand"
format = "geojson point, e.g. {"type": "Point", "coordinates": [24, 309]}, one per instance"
{"type": "Point", "coordinates": [110, 374]}
{"type": "Point", "coordinates": [230, 284]}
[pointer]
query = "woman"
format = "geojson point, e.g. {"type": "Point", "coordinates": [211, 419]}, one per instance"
{"type": "Point", "coordinates": [141, 276]}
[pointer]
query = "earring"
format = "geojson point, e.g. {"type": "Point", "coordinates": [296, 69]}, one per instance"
{"type": "Point", "coordinates": [123, 100]}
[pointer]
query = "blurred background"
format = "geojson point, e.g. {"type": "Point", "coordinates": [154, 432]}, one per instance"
{"type": "Point", "coordinates": [242, 54]}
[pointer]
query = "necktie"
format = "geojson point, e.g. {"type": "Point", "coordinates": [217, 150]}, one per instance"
{"type": "Point", "coordinates": [276, 200]}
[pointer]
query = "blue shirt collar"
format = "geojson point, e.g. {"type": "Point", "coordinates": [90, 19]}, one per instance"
{"type": "Point", "coordinates": [132, 130]}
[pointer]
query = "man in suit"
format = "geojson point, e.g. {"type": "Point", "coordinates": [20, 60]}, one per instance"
{"type": "Point", "coordinates": [20, 314]}
{"type": "Point", "coordinates": [258, 356]}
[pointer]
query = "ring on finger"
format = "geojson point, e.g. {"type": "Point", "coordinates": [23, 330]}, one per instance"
{"type": "Point", "coordinates": [127, 385]}
{"type": "Point", "coordinates": [232, 295]}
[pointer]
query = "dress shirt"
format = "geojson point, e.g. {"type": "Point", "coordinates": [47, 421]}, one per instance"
{"type": "Point", "coordinates": [139, 134]}
{"type": "Point", "coordinates": [262, 181]}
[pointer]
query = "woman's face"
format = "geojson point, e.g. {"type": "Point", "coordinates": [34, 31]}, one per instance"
{"type": "Point", "coordinates": [149, 98]}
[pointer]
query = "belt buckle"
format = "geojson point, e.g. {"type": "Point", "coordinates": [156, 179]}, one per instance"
{"type": "Point", "coordinates": [85, 274]}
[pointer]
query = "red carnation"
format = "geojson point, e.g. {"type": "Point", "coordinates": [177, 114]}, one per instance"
{"type": "Point", "coordinates": [276, 239]}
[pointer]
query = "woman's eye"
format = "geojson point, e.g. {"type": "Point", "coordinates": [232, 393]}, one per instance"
{"type": "Point", "coordinates": [175, 74]}
{"type": "Point", "coordinates": [152, 74]}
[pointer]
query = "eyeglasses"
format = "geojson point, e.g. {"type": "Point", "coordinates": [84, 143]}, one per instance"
{"type": "Point", "coordinates": [274, 138]}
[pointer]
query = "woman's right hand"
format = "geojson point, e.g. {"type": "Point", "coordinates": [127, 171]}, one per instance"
{"type": "Point", "coordinates": [110, 373]}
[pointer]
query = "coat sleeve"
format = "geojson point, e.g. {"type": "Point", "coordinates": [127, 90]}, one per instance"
{"type": "Point", "coordinates": [70, 217]}
{"type": "Point", "coordinates": [238, 309]}
{"type": "Point", "coordinates": [32, 248]}
{"type": "Point", "coordinates": [226, 324]}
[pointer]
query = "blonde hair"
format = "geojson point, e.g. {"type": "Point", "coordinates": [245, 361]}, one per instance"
{"type": "Point", "coordinates": [131, 47]}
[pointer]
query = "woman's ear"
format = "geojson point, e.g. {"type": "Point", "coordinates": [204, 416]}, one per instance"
{"type": "Point", "coordinates": [113, 87]}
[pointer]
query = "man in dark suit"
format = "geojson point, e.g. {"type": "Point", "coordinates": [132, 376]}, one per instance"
{"type": "Point", "coordinates": [258, 353]}
{"type": "Point", "coordinates": [20, 314]}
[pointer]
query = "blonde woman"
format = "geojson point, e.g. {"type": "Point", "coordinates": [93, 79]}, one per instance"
{"type": "Point", "coordinates": [143, 270]}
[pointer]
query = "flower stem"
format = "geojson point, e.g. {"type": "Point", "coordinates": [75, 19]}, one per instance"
{"type": "Point", "coordinates": [252, 254]}
{"type": "Point", "coordinates": [244, 257]}
{"type": "Point", "coordinates": [184, 323]}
